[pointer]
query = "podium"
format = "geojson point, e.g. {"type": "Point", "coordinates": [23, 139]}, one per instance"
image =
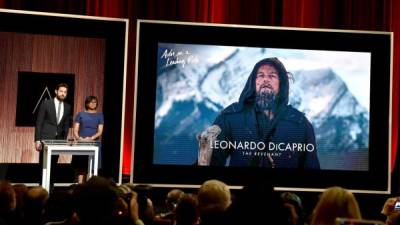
{"type": "Point", "coordinates": [57, 147]}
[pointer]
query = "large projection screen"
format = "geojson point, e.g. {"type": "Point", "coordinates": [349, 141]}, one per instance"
{"type": "Point", "coordinates": [332, 126]}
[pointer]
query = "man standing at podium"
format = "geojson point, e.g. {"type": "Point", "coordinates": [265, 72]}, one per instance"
{"type": "Point", "coordinates": [53, 118]}
{"type": "Point", "coordinates": [53, 121]}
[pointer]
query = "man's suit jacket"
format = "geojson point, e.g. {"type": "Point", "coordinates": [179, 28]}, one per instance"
{"type": "Point", "coordinates": [46, 122]}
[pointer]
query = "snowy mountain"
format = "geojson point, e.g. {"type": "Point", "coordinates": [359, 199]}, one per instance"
{"type": "Point", "coordinates": [340, 123]}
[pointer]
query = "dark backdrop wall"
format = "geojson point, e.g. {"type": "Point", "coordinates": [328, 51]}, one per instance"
{"type": "Point", "coordinates": [83, 57]}
{"type": "Point", "coordinates": [336, 14]}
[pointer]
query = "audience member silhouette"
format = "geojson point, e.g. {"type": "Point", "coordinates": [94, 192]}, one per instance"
{"type": "Point", "coordinates": [20, 192]}
{"type": "Point", "coordinates": [95, 201]}
{"type": "Point", "coordinates": [145, 204]}
{"type": "Point", "coordinates": [335, 202]}
{"type": "Point", "coordinates": [214, 198]}
{"type": "Point", "coordinates": [392, 215]}
{"type": "Point", "coordinates": [186, 210]}
{"type": "Point", "coordinates": [295, 206]}
{"type": "Point", "coordinates": [59, 209]}
{"type": "Point", "coordinates": [35, 200]}
{"type": "Point", "coordinates": [167, 218]}
{"type": "Point", "coordinates": [258, 204]}
{"type": "Point", "coordinates": [8, 203]}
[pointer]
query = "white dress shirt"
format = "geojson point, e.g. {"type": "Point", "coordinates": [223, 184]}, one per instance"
{"type": "Point", "coordinates": [56, 103]}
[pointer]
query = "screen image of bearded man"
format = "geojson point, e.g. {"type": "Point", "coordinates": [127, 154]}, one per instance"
{"type": "Point", "coordinates": [262, 129]}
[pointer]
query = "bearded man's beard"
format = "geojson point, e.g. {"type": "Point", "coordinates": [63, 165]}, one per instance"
{"type": "Point", "coordinates": [266, 100]}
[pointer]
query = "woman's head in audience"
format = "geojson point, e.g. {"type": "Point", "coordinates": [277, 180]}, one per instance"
{"type": "Point", "coordinates": [335, 202]}
{"type": "Point", "coordinates": [214, 196]}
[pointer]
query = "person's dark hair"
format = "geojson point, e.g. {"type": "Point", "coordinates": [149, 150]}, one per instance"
{"type": "Point", "coordinates": [89, 99]}
{"type": "Point", "coordinates": [95, 201]}
{"type": "Point", "coordinates": [186, 210]}
{"type": "Point", "coordinates": [172, 197]}
{"type": "Point", "coordinates": [62, 85]}
{"type": "Point", "coordinates": [34, 202]}
{"type": "Point", "coordinates": [59, 206]}
{"type": "Point", "coordinates": [258, 203]}
{"type": "Point", "coordinates": [294, 200]}
{"type": "Point", "coordinates": [143, 192]}
{"type": "Point", "coordinates": [7, 197]}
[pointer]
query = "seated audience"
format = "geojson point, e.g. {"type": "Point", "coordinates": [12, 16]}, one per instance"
{"type": "Point", "coordinates": [100, 201]}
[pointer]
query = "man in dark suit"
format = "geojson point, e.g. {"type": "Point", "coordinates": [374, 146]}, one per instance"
{"type": "Point", "coordinates": [53, 120]}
